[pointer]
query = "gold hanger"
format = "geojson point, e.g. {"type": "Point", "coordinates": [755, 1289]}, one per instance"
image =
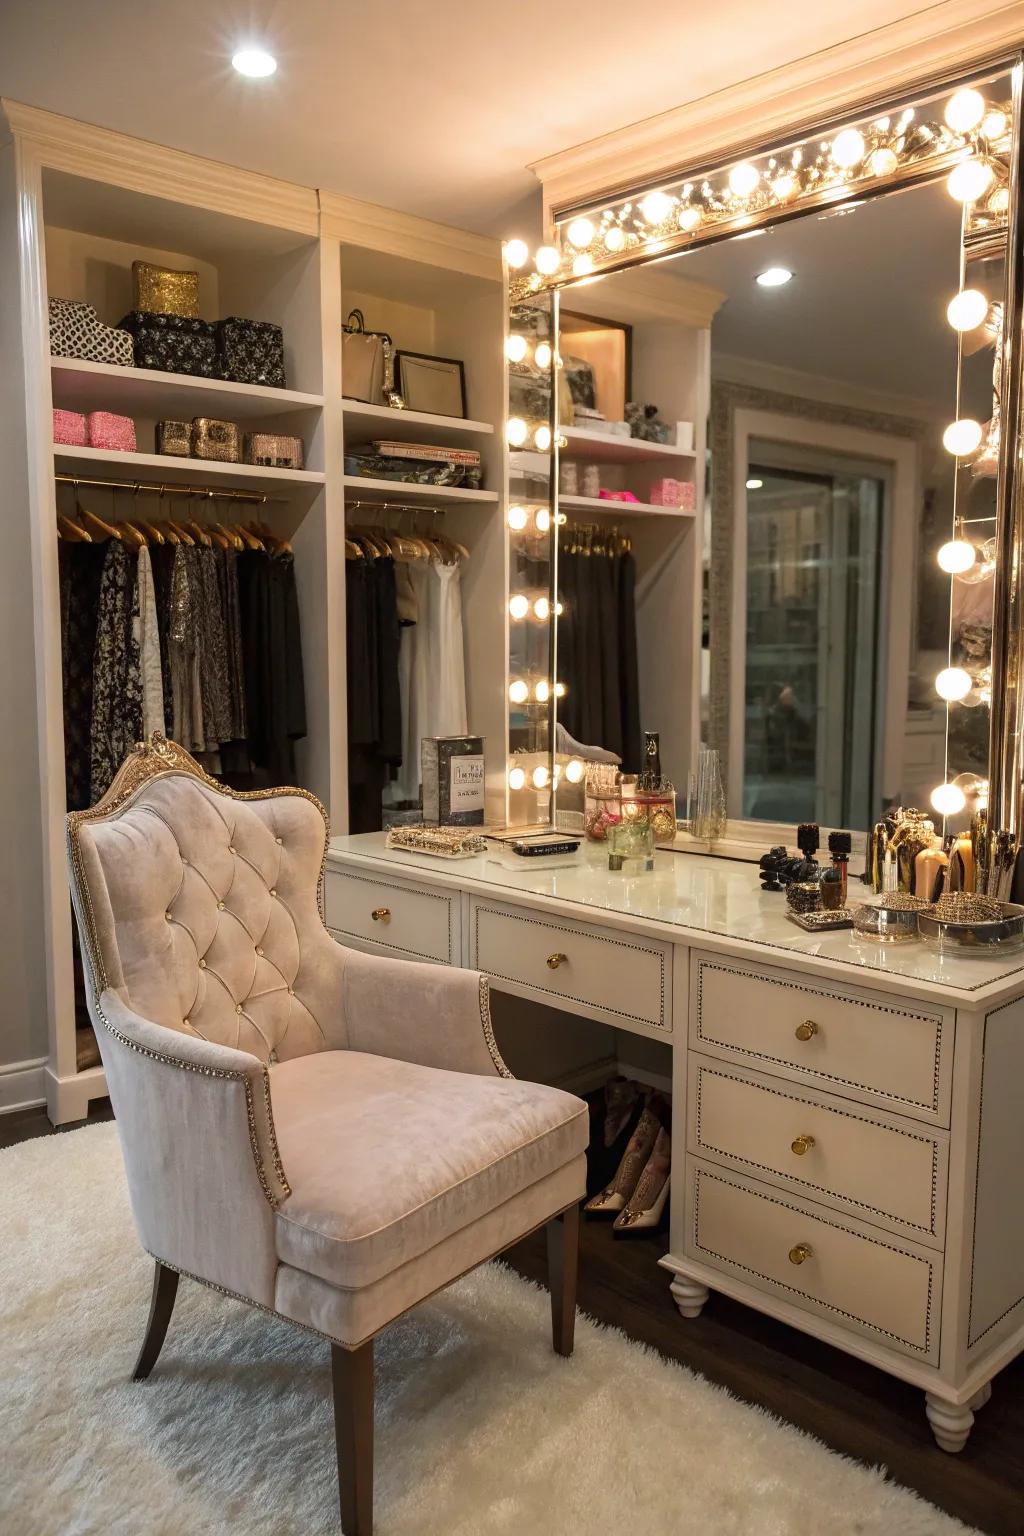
{"type": "Point", "coordinates": [68, 529]}
{"type": "Point", "coordinates": [96, 526]}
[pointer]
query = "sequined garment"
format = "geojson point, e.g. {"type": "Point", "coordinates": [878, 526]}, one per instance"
{"type": "Point", "coordinates": [117, 678]}
{"type": "Point", "coordinates": [81, 571]}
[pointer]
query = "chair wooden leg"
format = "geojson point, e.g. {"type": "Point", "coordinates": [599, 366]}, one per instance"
{"type": "Point", "coordinates": [352, 1374]}
{"type": "Point", "coordinates": [165, 1288]}
{"type": "Point", "coordinates": [563, 1269]}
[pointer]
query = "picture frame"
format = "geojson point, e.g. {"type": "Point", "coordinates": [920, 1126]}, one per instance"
{"type": "Point", "coordinates": [436, 385]}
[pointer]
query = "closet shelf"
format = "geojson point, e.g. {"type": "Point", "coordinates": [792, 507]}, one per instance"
{"type": "Point", "coordinates": [397, 491]}
{"type": "Point", "coordinates": [82, 386]}
{"type": "Point", "coordinates": [408, 426]}
{"type": "Point", "coordinates": [604, 448]}
{"type": "Point", "coordinates": [619, 508]}
{"type": "Point", "coordinates": [168, 470]}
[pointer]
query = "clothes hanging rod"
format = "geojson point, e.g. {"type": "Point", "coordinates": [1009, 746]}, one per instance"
{"type": "Point", "coordinates": [203, 492]}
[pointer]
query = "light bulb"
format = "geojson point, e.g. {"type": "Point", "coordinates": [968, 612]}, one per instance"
{"type": "Point", "coordinates": [953, 683]}
{"type": "Point", "coordinates": [574, 770]}
{"type": "Point", "coordinates": [542, 609]}
{"type": "Point", "coordinates": [614, 238]}
{"type": "Point", "coordinates": [689, 217]}
{"type": "Point", "coordinates": [254, 63]}
{"type": "Point", "coordinates": [547, 260]}
{"type": "Point", "coordinates": [962, 437]}
{"type": "Point", "coordinates": [556, 773]}
{"type": "Point", "coordinates": [517, 253]}
{"type": "Point", "coordinates": [773, 277]}
{"type": "Point", "coordinates": [743, 179]}
{"type": "Point", "coordinates": [542, 439]}
{"type": "Point", "coordinates": [539, 776]}
{"type": "Point", "coordinates": [967, 309]}
{"type": "Point", "coordinates": [542, 691]}
{"type": "Point", "coordinates": [999, 202]}
{"type": "Point", "coordinates": [519, 606]}
{"type": "Point", "coordinates": [948, 799]}
{"type": "Point", "coordinates": [517, 778]}
{"type": "Point", "coordinates": [956, 557]}
{"type": "Point", "coordinates": [994, 125]}
{"type": "Point", "coordinates": [558, 610]}
{"type": "Point", "coordinates": [580, 233]}
{"type": "Point", "coordinates": [883, 161]}
{"type": "Point", "coordinates": [969, 180]}
{"type": "Point", "coordinates": [517, 517]}
{"type": "Point", "coordinates": [656, 207]}
{"type": "Point", "coordinates": [964, 111]}
{"type": "Point", "coordinates": [583, 265]}
{"type": "Point", "coordinates": [559, 690]}
{"type": "Point", "coordinates": [754, 485]}
{"type": "Point", "coordinates": [542, 354]}
{"type": "Point", "coordinates": [542, 519]}
{"type": "Point", "coordinates": [848, 148]}
{"type": "Point", "coordinates": [515, 348]}
{"type": "Point", "coordinates": [515, 431]}
{"type": "Point", "coordinates": [518, 691]}
{"type": "Point", "coordinates": [784, 186]}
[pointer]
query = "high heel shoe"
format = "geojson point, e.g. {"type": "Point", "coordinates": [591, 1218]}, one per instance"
{"type": "Point", "coordinates": [643, 1210]}
{"type": "Point", "coordinates": [612, 1199]}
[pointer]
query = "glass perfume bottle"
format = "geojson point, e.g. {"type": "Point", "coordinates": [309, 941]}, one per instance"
{"type": "Point", "coordinates": [657, 793]}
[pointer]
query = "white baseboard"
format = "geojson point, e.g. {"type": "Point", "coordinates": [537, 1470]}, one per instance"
{"type": "Point", "coordinates": [22, 1085]}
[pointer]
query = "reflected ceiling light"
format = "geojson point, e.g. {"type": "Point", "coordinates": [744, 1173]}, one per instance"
{"type": "Point", "coordinates": [517, 517]}
{"type": "Point", "coordinates": [517, 778]}
{"type": "Point", "coordinates": [656, 207]}
{"type": "Point", "coordinates": [967, 309]}
{"type": "Point", "coordinates": [965, 110]}
{"type": "Point", "coordinates": [515, 348]}
{"type": "Point", "coordinates": [743, 179]}
{"type": "Point", "coordinates": [615, 238]}
{"type": "Point", "coordinates": [956, 557]}
{"type": "Point", "coordinates": [883, 161]}
{"type": "Point", "coordinates": [515, 431]}
{"type": "Point", "coordinates": [254, 63]}
{"type": "Point", "coordinates": [969, 180]}
{"type": "Point", "coordinates": [948, 799]}
{"type": "Point", "coordinates": [517, 253]}
{"type": "Point", "coordinates": [580, 233]}
{"type": "Point", "coordinates": [542, 354]}
{"type": "Point", "coordinates": [539, 776]}
{"type": "Point", "coordinates": [848, 148]}
{"type": "Point", "coordinates": [518, 692]}
{"type": "Point", "coordinates": [574, 770]}
{"type": "Point", "coordinates": [962, 437]}
{"type": "Point", "coordinates": [774, 277]}
{"type": "Point", "coordinates": [953, 684]}
{"type": "Point", "coordinates": [689, 217]}
{"type": "Point", "coordinates": [755, 485]}
{"type": "Point", "coordinates": [547, 260]}
{"type": "Point", "coordinates": [519, 606]}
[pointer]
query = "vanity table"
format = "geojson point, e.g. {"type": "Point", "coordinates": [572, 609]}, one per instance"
{"type": "Point", "coordinates": [848, 1138]}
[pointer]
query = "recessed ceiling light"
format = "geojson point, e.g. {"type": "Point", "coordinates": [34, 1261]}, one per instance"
{"type": "Point", "coordinates": [256, 63]}
{"type": "Point", "coordinates": [774, 277]}
{"type": "Point", "coordinates": [755, 485]}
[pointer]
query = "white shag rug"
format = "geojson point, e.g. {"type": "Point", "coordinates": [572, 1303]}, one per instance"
{"type": "Point", "coordinates": [481, 1430]}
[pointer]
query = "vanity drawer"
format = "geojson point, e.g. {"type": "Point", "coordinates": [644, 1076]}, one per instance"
{"type": "Point", "coordinates": [841, 1269]}
{"type": "Point", "coordinates": [393, 918]}
{"type": "Point", "coordinates": [863, 1045]}
{"type": "Point", "coordinates": [861, 1161]}
{"type": "Point", "coordinates": [626, 982]}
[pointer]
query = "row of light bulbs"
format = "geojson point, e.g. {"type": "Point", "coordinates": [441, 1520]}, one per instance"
{"type": "Point", "coordinates": [519, 518]}
{"type": "Point", "coordinates": [517, 431]}
{"type": "Point", "coordinates": [540, 778]}
{"type": "Point", "coordinates": [517, 349]}
{"type": "Point", "coordinates": [520, 607]}
{"type": "Point", "coordinates": [543, 690]}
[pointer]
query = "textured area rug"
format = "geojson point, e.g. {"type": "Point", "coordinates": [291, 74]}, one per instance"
{"type": "Point", "coordinates": [481, 1430]}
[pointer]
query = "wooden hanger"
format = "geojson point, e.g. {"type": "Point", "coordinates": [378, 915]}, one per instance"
{"type": "Point", "coordinates": [353, 551]}
{"type": "Point", "coordinates": [235, 540]}
{"type": "Point", "coordinates": [96, 526]}
{"type": "Point", "coordinates": [181, 534]}
{"type": "Point", "coordinates": [250, 539]}
{"type": "Point", "coordinates": [154, 533]}
{"type": "Point", "coordinates": [200, 535]}
{"type": "Point", "coordinates": [132, 536]}
{"type": "Point", "coordinates": [68, 529]}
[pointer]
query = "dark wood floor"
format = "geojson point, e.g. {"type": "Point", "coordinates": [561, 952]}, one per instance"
{"type": "Point", "coordinates": [850, 1406]}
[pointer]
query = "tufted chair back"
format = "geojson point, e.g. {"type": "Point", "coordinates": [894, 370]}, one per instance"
{"type": "Point", "coordinates": [201, 908]}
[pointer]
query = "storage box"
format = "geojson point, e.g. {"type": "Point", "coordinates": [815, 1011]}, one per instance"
{"type": "Point", "coordinates": [213, 439]}
{"type": "Point", "coordinates": [251, 351]}
{"type": "Point", "coordinates": [453, 780]}
{"type": "Point", "coordinates": [172, 343]}
{"type": "Point", "coordinates": [77, 331]}
{"type": "Point", "coordinates": [273, 448]}
{"type": "Point", "coordinates": [174, 437]}
{"type": "Point", "coordinates": [69, 427]}
{"type": "Point", "coordinates": [109, 431]}
{"type": "Point", "coordinates": [165, 291]}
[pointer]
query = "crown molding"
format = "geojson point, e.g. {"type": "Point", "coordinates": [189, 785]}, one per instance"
{"type": "Point", "coordinates": [100, 154]}
{"type": "Point", "coordinates": [729, 368]}
{"type": "Point", "coordinates": [951, 35]}
{"type": "Point", "coordinates": [644, 293]}
{"type": "Point", "coordinates": [403, 234]}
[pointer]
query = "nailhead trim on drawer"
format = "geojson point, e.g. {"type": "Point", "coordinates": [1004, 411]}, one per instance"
{"type": "Point", "coordinates": [839, 997]}
{"type": "Point", "coordinates": [392, 885]}
{"type": "Point", "coordinates": [795, 1098]}
{"type": "Point", "coordinates": [809, 1295]}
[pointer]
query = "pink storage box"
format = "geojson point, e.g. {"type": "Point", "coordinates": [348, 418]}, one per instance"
{"type": "Point", "coordinates": [674, 493]}
{"type": "Point", "coordinates": [69, 427]}
{"type": "Point", "coordinates": [109, 431]}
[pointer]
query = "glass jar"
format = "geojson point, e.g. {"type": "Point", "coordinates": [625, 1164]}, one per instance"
{"type": "Point", "coordinates": [631, 846]}
{"type": "Point", "coordinates": [659, 807]}
{"type": "Point", "coordinates": [602, 807]}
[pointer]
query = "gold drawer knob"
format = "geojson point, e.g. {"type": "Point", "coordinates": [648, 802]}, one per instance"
{"type": "Point", "coordinates": [801, 1253]}
{"type": "Point", "coordinates": [807, 1030]}
{"type": "Point", "coordinates": [554, 961]}
{"type": "Point", "coordinates": [381, 914]}
{"type": "Point", "coordinates": [802, 1144]}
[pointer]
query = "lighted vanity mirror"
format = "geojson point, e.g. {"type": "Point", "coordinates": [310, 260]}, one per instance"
{"type": "Point", "coordinates": [793, 561]}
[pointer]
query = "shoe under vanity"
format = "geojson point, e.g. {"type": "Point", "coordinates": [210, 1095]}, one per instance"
{"type": "Point", "coordinates": [846, 1133]}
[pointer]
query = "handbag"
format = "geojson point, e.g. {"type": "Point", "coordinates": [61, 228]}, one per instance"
{"type": "Point", "coordinates": [367, 361]}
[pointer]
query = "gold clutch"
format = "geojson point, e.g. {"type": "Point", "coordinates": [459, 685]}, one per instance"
{"type": "Point", "coordinates": [213, 439]}
{"type": "Point", "coordinates": [163, 291]}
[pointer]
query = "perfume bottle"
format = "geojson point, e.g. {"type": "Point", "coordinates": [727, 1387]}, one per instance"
{"type": "Point", "coordinates": [930, 864]}
{"type": "Point", "coordinates": [656, 793]}
{"type": "Point", "coordinates": [650, 773]}
{"type": "Point", "coordinates": [839, 846]}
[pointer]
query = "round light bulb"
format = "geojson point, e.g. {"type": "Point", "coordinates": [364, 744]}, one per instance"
{"type": "Point", "coordinates": [542, 439]}
{"type": "Point", "coordinates": [517, 778]}
{"type": "Point", "coordinates": [580, 233]}
{"type": "Point", "coordinates": [848, 148]}
{"type": "Point", "coordinates": [962, 437]}
{"type": "Point", "coordinates": [969, 180]}
{"type": "Point", "coordinates": [956, 557]}
{"type": "Point", "coordinates": [583, 265]}
{"type": "Point", "coordinates": [558, 610]}
{"type": "Point", "coordinates": [967, 309]}
{"type": "Point", "coordinates": [999, 202]}
{"type": "Point", "coordinates": [517, 253]}
{"type": "Point", "coordinates": [614, 238]}
{"type": "Point", "coordinates": [574, 770]}
{"type": "Point", "coordinates": [540, 776]}
{"type": "Point", "coordinates": [547, 260]}
{"type": "Point", "coordinates": [542, 691]}
{"type": "Point", "coordinates": [515, 431]}
{"type": "Point", "coordinates": [743, 179]}
{"type": "Point", "coordinates": [953, 684]}
{"type": "Point", "coordinates": [773, 277]}
{"type": "Point", "coordinates": [542, 519]}
{"type": "Point", "coordinates": [948, 799]}
{"type": "Point", "coordinates": [784, 186]}
{"type": "Point", "coordinates": [964, 111]}
{"type": "Point", "coordinates": [519, 606]}
{"type": "Point", "coordinates": [254, 63]}
{"type": "Point", "coordinates": [515, 348]}
{"type": "Point", "coordinates": [518, 691]}
{"type": "Point", "coordinates": [689, 217]}
{"type": "Point", "coordinates": [559, 690]}
{"type": "Point", "coordinates": [542, 609]}
{"type": "Point", "coordinates": [883, 161]}
{"type": "Point", "coordinates": [994, 124]}
{"type": "Point", "coordinates": [754, 485]}
{"type": "Point", "coordinates": [517, 518]}
{"type": "Point", "coordinates": [542, 354]}
{"type": "Point", "coordinates": [656, 207]}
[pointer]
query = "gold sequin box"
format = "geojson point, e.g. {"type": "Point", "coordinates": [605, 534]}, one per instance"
{"type": "Point", "coordinates": [163, 291]}
{"type": "Point", "coordinates": [274, 449]}
{"type": "Point", "coordinates": [212, 439]}
{"type": "Point", "coordinates": [174, 437]}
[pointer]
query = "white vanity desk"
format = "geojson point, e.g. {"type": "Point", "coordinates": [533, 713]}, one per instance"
{"type": "Point", "coordinates": [848, 1126]}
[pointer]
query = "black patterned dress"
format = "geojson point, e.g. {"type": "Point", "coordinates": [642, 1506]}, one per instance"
{"type": "Point", "coordinates": [81, 568]}
{"type": "Point", "coordinates": [117, 671]}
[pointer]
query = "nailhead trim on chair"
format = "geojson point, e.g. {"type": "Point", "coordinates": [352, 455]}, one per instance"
{"type": "Point", "coordinates": [488, 1028]}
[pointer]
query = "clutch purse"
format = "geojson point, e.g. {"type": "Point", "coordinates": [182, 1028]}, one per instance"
{"type": "Point", "coordinates": [163, 291]}
{"type": "Point", "coordinates": [367, 361]}
{"type": "Point", "coordinates": [174, 437]}
{"type": "Point", "coordinates": [251, 351]}
{"type": "Point", "coordinates": [273, 449]}
{"type": "Point", "coordinates": [213, 439]}
{"type": "Point", "coordinates": [69, 427]}
{"type": "Point", "coordinates": [171, 343]}
{"type": "Point", "coordinates": [107, 430]}
{"type": "Point", "coordinates": [77, 331]}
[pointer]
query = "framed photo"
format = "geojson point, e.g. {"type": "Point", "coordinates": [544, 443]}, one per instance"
{"type": "Point", "coordinates": [434, 384]}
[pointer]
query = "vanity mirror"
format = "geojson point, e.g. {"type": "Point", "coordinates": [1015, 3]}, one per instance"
{"type": "Point", "coordinates": [801, 557]}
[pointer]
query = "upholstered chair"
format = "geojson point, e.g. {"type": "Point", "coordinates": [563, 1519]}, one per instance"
{"type": "Point", "coordinates": [327, 1135]}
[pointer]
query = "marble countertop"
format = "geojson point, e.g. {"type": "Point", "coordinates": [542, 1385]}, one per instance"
{"type": "Point", "coordinates": [689, 897]}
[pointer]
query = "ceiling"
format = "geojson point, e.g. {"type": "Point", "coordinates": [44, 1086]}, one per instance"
{"type": "Point", "coordinates": [434, 107]}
